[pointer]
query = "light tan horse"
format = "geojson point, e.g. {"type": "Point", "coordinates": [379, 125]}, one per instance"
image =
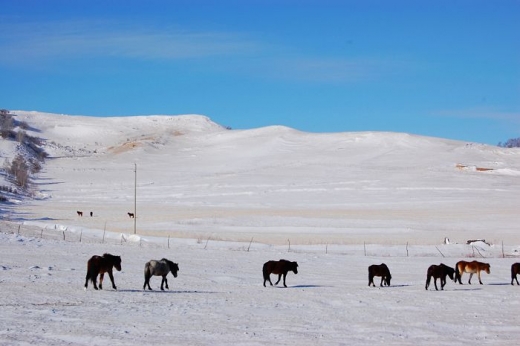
{"type": "Point", "coordinates": [470, 267]}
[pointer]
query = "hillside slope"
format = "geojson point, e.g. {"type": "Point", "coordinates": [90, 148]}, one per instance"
{"type": "Point", "coordinates": [197, 179]}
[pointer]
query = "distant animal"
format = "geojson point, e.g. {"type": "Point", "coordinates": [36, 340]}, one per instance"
{"type": "Point", "coordinates": [470, 267]}
{"type": "Point", "coordinates": [439, 272]}
{"type": "Point", "coordinates": [131, 215]}
{"type": "Point", "coordinates": [91, 214]}
{"type": "Point", "coordinates": [379, 270]}
{"type": "Point", "coordinates": [515, 269]}
{"type": "Point", "coordinates": [159, 268]}
{"type": "Point", "coordinates": [80, 213]}
{"type": "Point", "coordinates": [101, 265]}
{"type": "Point", "coordinates": [281, 267]}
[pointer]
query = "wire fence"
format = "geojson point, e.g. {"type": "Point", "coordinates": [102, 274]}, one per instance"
{"type": "Point", "coordinates": [476, 250]}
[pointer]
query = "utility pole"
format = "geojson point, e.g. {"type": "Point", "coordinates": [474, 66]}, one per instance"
{"type": "Point", "coordinates": [135, 199]}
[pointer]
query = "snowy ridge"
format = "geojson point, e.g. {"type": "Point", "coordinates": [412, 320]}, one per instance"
{"type": "Point", "coordinates": [195, 177]}
{"type": "Point", "coordinates": [223, 202]}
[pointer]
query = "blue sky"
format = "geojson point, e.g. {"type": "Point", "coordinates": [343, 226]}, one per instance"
{"type": "Point", "coordinates": [447, 69]}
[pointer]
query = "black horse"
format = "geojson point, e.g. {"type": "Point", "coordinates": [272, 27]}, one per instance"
{"type": "Point", "coordinates": [515, 269]}
{"type": "Point", "coordinates": [379, 270]}
{"type": "Point", "coordinates": [281, 267]}
{"type": "Point", "coordinates": [439, 272]}
{"type": "Point", "coordinates": [159, 268]}
{"type": "Point", "coordinates": [101, 265]}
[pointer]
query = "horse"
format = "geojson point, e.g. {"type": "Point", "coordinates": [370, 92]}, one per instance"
{"type": "Point", "coordinates": [91, 213]}
{"type": "Point", "coordinates": [439, 272]}
{"type": "Point", "coordinates": [101, 265]}
{"type": "Point", "coordinates": [159, 268]}
{"type": "Point", "coordinates": [80, 213]}
{"type": "Point", "coordinates": [515, 269]}
{"type": "Point", "coordinates": [379, 270]}
{"type": "Point", "coordinates": [470, 267]}
{"type": "Point", "coordinates": [131, 215]}
{"type": "Point", "coordinates": [281, 267]}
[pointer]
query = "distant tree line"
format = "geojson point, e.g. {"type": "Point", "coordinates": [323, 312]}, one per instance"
{"type": "Point", "coordinates": [510, 143]}
{"type": "Point", "coordinates": [30, 154]}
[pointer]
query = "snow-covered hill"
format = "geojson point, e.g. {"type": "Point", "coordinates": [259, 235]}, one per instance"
{"type": "Point", "coordinates": [196, 178]}
{"type": "Point", "coordinates": [338, 201]}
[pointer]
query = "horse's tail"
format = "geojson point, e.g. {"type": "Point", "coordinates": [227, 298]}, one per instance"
{"type": "Point", "coordinates": [88, 277]}
{"type": "Point", "coordinates": [265, 271]}
{"type": "Point", "coordinates": [147, 274]}
{"type": "Point", "coordinates": [458, 274]}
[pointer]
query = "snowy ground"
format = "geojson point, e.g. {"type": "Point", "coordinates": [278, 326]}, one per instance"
{"type": "Point", "coordinates": [218, 299]}
{"type": "Point", "coordinates": [340, 201]}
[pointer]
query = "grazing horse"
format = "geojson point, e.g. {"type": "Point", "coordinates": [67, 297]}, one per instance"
{"type": "Point", "coordinates": [470, 267]}
{"type": "Point", "coordinates": [379, 270]}
{"type": "Point", "coordinates": [159, 268]}
{"type": "Point", "coordinates": [439, 272]}
{"type": "Point", "coordinates": [515, 269]}
{"type": "Point", "coordinates": [101, 265]}
{"type": "Point", "coordinates": [80, 213]}
{"type": "Point", "coordinates": [281, 267]}
{"type": "Point", "coordinates": [131, 215]}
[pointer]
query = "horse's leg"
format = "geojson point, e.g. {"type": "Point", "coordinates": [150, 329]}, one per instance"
{"type": "Point", "coordinates": [88, 277]}
{"type": "Point", "coordinates": [443, 282]}
{"type": "Point", "coordinates": [112, 279]}
{"type": "Point", "coordinates": [470, 276]}
{"type": "Point", "coordinates": [435, 283]}
{"type": "Point", "coordinates": [268, 278]}
{"type": "Point", "coordinates": [166, 282]}
{"type": "Point", "coordinates": [478, 274]}
{"type": "Point", "coordinates": [371, 280]}
{"type": "Point", "coordinates": [516, 280]}
{"type": "Point", "coordinates": [284, 276]}
{"type": "Point", "coordinates": [458, 275]}
{"type": "Point", "coordinates": [279, 277]}
{"type": "Point", "coordinates": [147, 281]}
{"type": "Point", "coordinates": [101, 275]}
{"type": "Point", "coordinates": [427, 282]}
{"type": "Point", "coordinates": [382, 278]}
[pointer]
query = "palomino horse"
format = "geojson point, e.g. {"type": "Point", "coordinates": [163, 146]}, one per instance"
{"type": "Point", "coordinates": [281, 267]}
{"type": "Point", "coordinates": [515, 269]}
{"type": "Point", "coordinates": [470, 267]}
{"type": "Point", "coordinates": [101, 265]}
{"type": "Point", "coordinates": [159, 268]}
{"type": "Point", "coordinates": [439, 272]}
{"type": "Point", "coordinates": [379, 270]}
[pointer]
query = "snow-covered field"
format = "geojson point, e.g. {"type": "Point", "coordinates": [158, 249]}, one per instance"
{"type": "Point", "coordinates": [341, 202]}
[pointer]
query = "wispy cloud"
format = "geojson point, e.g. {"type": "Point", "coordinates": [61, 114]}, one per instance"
{"type": "Point", "coordinates": [331, 70]}
{"type": "Point", "coordinates": [25, 42]}
{"type": "Point", "coordinates": [481, 113]}
{"type": "Point", "coordinates": [54, 42]}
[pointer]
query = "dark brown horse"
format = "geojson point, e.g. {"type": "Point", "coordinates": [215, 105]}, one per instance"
{"type": "Point", "coordinates": [159, 268]}
{"type": "Point", "coordinates": [379, 270]}
{"type": "Point", "coordinates": [515, 269]}
{"type": "Point", "coordinates": [131, 215]}
{"type": "Point", "coordinates": [101, 265]}
{"type": "Point", "coordinates": [281, 267]}
{"type": "Point", "coordinates": [80, 213]}
{"type": "Point", "coordinates": [470, 267]}
{"type": "Point", "coordinates": [439, 272]}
